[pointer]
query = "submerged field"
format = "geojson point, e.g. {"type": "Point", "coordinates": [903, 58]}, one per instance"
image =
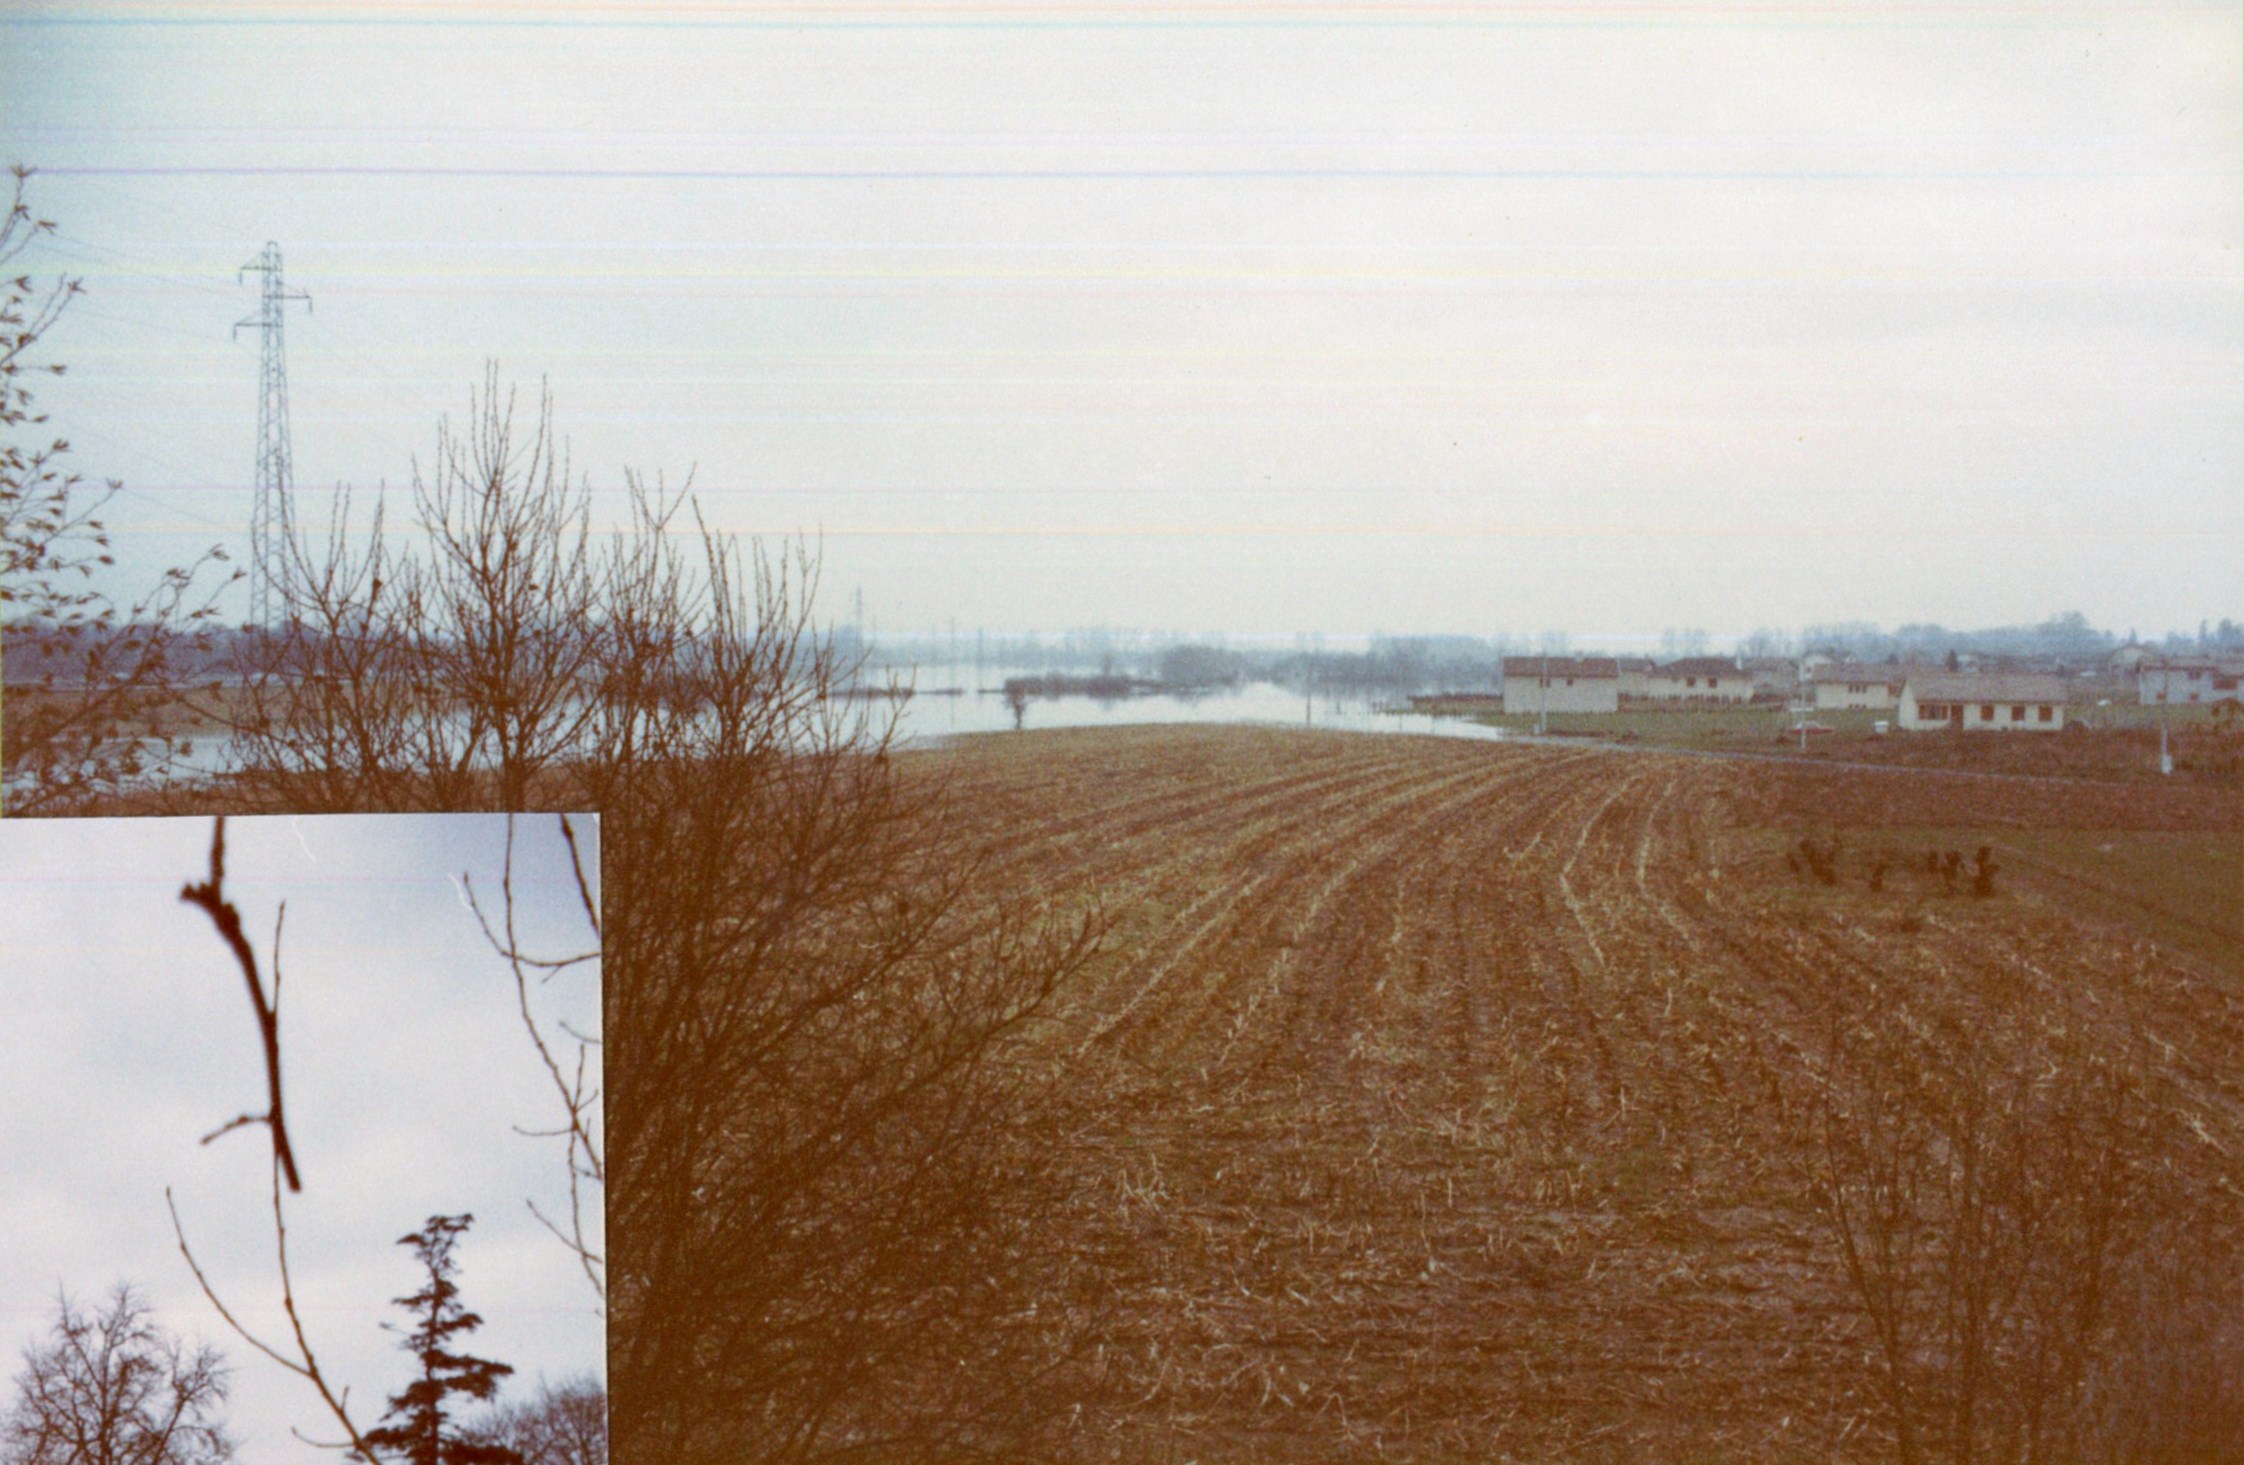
{"type": "Point", "coordinates": [1444, 1100]}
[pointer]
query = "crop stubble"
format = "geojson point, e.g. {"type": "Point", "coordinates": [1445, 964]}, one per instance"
{"type": "Point", "coordinates": [1440, 1098]}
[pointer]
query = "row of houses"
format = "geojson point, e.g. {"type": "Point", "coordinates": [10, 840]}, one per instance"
{"type": "Point", "coordinates": [1992, 694]}
{"type": "Point", "coordinates": [1918, 697]}
{"type": "Point", "coordinates": [1606, 683]}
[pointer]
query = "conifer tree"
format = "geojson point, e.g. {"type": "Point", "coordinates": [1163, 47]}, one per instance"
{"type": "Point", "coordinates": [418, 1430]}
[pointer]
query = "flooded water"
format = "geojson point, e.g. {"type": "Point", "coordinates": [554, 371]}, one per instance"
{"type": "Point", "coordinates": [953, 701]}
{"type": "Point", "coordinates": [956, 700]}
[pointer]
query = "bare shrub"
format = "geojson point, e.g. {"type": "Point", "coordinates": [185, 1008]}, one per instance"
{"type": "Point", "coordinates": [1820, 857]}
{"type": "Point", "coordinates": [1998, 1167]}
{"type": "Point", "coordinates": [1983, 871]}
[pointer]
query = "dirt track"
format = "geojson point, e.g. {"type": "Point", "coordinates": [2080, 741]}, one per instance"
{"type": "Point", "coordinates": [1457, 1100]}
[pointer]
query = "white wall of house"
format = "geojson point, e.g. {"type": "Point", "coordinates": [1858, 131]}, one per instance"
{"type": "Point", "coordinates": [1529, 695]}
{"type": "Point", "coordinates": [1979, 712]}
{"type": "Point", "coordinates": [2187, 681]}
{"type": "Point", "coordinates": [1841, 696]}
{"type": "Point", "coordinates": [1734, 686]}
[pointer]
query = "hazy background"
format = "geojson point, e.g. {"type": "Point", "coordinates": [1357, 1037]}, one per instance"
{"type": "Point", "coordinates": [1255, 319]}
{"type": "Point", "coordinates": [129, 1035]}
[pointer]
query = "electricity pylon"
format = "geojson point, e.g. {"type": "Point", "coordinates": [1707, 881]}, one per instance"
{"type": "Point", "coordinates": [271, 522]}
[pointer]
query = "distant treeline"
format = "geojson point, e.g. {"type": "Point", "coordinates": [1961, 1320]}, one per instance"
{"type": "Point", "coordinates": [2068, 637]}
{"type": "Point", "coordinates": [1390, 663]}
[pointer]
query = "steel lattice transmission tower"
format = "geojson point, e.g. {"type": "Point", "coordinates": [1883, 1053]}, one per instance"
{"type": "Point", "coordinates": [271, 521]}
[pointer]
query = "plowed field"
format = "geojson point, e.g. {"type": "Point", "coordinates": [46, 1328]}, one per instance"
{"type": "Point", "coordinates": [1452, 1100]}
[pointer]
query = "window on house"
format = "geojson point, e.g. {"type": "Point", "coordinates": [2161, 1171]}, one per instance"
{"type": "Point", "coordinates": [1986, 712]}
{"type": "Point", "coordinates": [2018, 713]}
{"type": "Point", "coordinates": [2046, 714]}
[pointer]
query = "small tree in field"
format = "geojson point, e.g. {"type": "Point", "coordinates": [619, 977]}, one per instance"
{"type": "Point", "coordinates": [419, 1428]}
{"type": "Point", "coordinates": [110, 1387]}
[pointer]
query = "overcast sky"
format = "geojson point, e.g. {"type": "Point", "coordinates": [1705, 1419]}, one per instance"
{"type": "Point", "coordinates": [129, 1035]}
{"type": "Point", "coordinates": [1262, 318]}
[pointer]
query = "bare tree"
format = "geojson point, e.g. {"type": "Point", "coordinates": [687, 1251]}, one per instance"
{"type": "Point", "coordinates": [561, 1424]}
{"type": "Point", "coordinates": [828, 1187]}
{"type": "Point", "coordinates": [90, 684]}
{"type": "Point", "coordinates": [334, 710]}
{"type": "Point", "coordinates": [512, 598]}
{"type": "Point", "coordinates": [446, 674]}
{"type": "Point", "coordinates": [825, 1206]}
{"type": "Point", "coordinates": [111, 1387]}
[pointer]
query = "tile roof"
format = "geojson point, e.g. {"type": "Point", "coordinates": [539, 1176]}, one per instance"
{"type": "Point", "coordinates": [1561, 666]}
{"type": "Point", "coordinates": [1699, 666]}
{"type": "Point", "coordinates": [2016, 686]}
{"type": "Point", "coordinates": [1845, 671]}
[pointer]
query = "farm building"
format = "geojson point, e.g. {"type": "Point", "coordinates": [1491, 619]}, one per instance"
{"type": "Point", "coordinates": [1849, 684]}
{"type": "Point", "coordinates": [1636, 675]}
{"type": "Point", "coordinates": [1699, 679]}
{"type": "Point", "coordinates": [1983, 702]}
{"type": "Point", "coordinates": [1537, 684]}
{"type": "Point", "coordinates": [2188, 679]}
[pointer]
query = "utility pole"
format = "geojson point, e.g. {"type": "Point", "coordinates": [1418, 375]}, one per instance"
{"type": "Point", "coordinates": [271, 521]}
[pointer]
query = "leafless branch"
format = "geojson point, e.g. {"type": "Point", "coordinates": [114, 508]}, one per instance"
{"type": "Point", "coordinates": [586, 1160]}
{"type": "Point", "coordinates": [302, 1361]}
{"type": "Point", "coordinates": [210, 897]}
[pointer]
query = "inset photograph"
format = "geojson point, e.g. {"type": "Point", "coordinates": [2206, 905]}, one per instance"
{"type": "Point", "coordinates": [301, 1120]}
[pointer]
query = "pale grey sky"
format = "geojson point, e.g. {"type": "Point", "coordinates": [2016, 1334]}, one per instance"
{"type": "Point", "coordinates": [1254, 318]}
{"type": "Point", "coordinates": [129, 1035]}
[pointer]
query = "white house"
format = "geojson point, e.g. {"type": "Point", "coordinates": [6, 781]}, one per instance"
{"type": "Point", "coordinates": [1842, 685]}
{"type": "Point", "coordinates": [2187, 679]}
{"type": "Point", "coordinates": [1983, 701]}
{"type": "Point", "coordinates": [1537, 684]}
{"type": "Point", "coordinates": [1699, 679]}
